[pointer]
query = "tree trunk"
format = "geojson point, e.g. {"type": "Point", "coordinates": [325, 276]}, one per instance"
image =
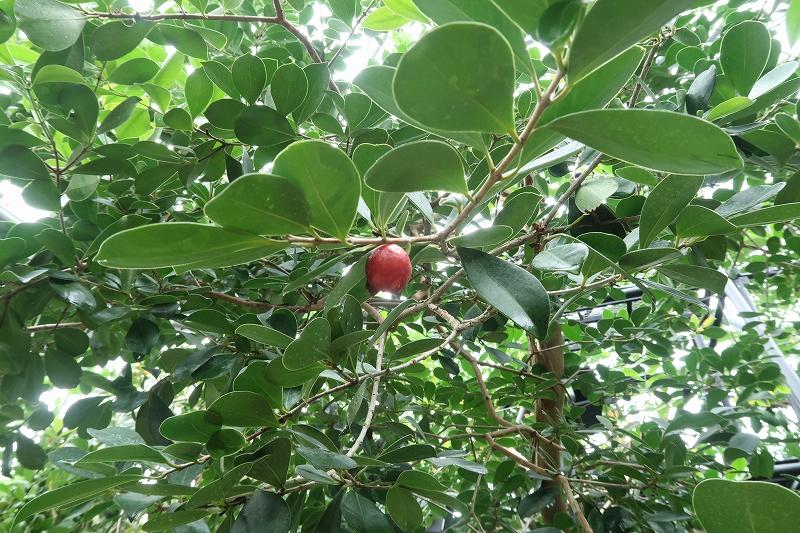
{"type": "Point", "coordinates": [550, 354]}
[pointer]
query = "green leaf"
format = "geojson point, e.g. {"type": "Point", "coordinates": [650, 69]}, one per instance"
{"type": "Point", "coordinates": [81, 187]}
{"type": "Point", "coordinates": [748, 198]}
{"type": "Point", "coordinates": [595, 45]}
{"type": "Point", "coordinates": [664, 204]}
{"type": "Point", "coordinates": [169, 521]}
{"type": "Point", "coordinates": [407, 9]}
{"type": "Point", "coordinates": [29, 454]}
{"type": "Point", "coordinates": [222, 78]}
{"type": "Point", "coordinates": [728, 107]}
{"type": "Point", "coordinates": [772, 79]}
{"type": "Point", "coordinates": [21, 163]}
{"type": "Point", "coordinates": [288, 87]}
{"type": "Point", "coordinates": [218, 489]}
{"type": "Point", "coordinates": [699, 221]}
{"type": "Point", "coordinates": [384, 19]}
{"type": "Point", "coordinates": [725, 506]}
{"type": "Point", "coordinates": [263, 126]}
{"type": "Point", "coordinates": [59, 244]}
{"type": "Point", "coordinates": [363, 515]}
{"type": "Point", "coordinates": [446, 11]}
{"type": "Point", "coordinates": [250, 77]}
{"type": "Point", "coordinates": [443, 90]}
{"type": "Point", "coordinates": [71, 494]}
{"type": "Point", "coordinates": [115, 39]}
{"type": "Point", "coordinates": [261, 204]}
{"type": "Point", "coordinates": [199, 91]}
{"type": "Point", "coordinates": [789, 126]}
{"type": "Point", "coordinates": [264, 511]}
{"type": "Point", "coordinates": [768, 215]}
{"type": "Point", "coordinates": [264, 335]}
{"type": "Point", "coordinates": [11, 249]}
{"type": "Point", "coordinates": [197, 426]}
{"type": "Point", "coordinates": [179, 119]}
{"type": "Point", "coordinates": [376, 82]}
{"type": "Point", "coordinates": [658, 140]}
{"type": "Point", "coordinates": [744, 53]}
{"type": "Point", "coordinates": [414, 479]}
{"type": "Point", "coordinates": [483, 237]}
{"type": "Point", "coordinates": [793, 21]}
{"type": "Point", "coordinates": [329, 181]}
{"type": "Point", "coordinates": [224, 442]}
{"type": "Point", "coordinates": [513, 291]}
{"type": "Point", "coordinates": [595, 193]}
{"type": "Point", "coordinates": [641, 260]}
{"type": "Point", "coordinates": [57, 74]}
{"type": "Point", "coordinates": [419, 166]}
{"type": "Point", "coordinates": [244, 408]}
{"type": "Point", "coordinates": [48, 23]}
{"type": "Point", "coordinates": [131, 452]}
{"type": "Point", "coordinates": [138, 70]}
{"type": "Point", "coordinates": [696, 276]}
{"type": "Point", "coordinates": [326, 459]}
{"type": "Point", "coordinates": [119, 115]}
{"type": "Point", "coordinates": [310, 347]}
{"type": "Point", "coordinates": [403, 508]}
{"type": "Point", "coordinates": [562, 257]}
{"type": "Point", "coordinates": [182, 244]}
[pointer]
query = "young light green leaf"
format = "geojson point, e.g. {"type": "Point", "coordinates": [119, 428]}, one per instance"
{"type": "Point", "coordinates": [725, 506]}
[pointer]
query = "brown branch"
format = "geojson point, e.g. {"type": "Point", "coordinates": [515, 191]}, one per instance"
{"type": "Point", "coordinates": [263, 306]}
{"type": "Point", "coordinates": [565, 486]}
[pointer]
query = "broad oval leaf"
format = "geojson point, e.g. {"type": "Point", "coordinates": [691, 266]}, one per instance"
{"type": "Point", "coordinates": [658, 140]}
{"type": "Point", "coordinates": [418, 166]}
{"type": "Point", "coordinates": [182, 244]}
{"type": "Point", "coordinates": [243, 408]}
{"type": "Point", "coordinates": [437, 82]}
{"type": "Point", "coordinates": [744, 54]}
{"type": "Point", "coordinates": [725, 506]}
{"type": "Point", "coordinates": [261, 204]}
{"type": "Point", "coordinates": [49, 23]}
{"type": "Point", "coordinates": [329, 181]}
{"type": "Point", "coordinates": [513, 291]}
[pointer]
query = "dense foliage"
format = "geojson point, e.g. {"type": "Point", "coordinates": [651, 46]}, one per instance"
{"type": "Point", "coordinates": [187, 342]}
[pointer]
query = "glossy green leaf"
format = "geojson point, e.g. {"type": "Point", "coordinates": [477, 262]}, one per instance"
{"type": "Point", "coordinates": [131, 452]}
{"type": "Point", "coordinates": [218, 489]}
{"type": "Point", "coordinates": [699, 221]}
{"type": "Point", "coordinates": [513, 291]}
{"type": "Point", "coordinates": [182, 244]}
{"type": "Point", "coordinates": [71, 494]}
{"type": "Point", "coordinates": [418, 166]}
{"type": "Point", "coordinates": [664, 204]}
{"type": "Point", "coordinates": [261, 204]}
{"type": "Point", "coordinates": [264, 335]}
{"type": "Point", "coordinates": [329, 181]}
{"type": "Point", "coordinates": [310, 347]}
{"type": "Point", "coordinates": [264, 511]}
{"type": "Point", "coordinates": [403, 508]}
{"type": "Point", "coordinates": [197, 426]}
{"type": "Point", "coordinates": [445, 91]}
{"type": "Point", "coordinates": [262, 126]}
{"type": "Point", "coordinates": [117, 38]}
{"type": "Point", "coordinates": [744, 54]}
{"type": "Point", "coordinates": [170, 520]}
{"type": "Point", "coordinates": [49, 23]}
{"type": "Point", "coordinates": [363, 515]}
{"type": "Point", "coordinates": [594, 193]}
{"type": "Point", "coordinates": [659, 140]}
{"type": "Point", "coordinates": [767, 215]}
{"type": "Point", "coordinates": [138, 70]}
{"type": "Point", "coordinates": [243, 408]}
{"type": "Point", "coordinates": [594, 45]}
{"type": "Point", "coordinates": [696, 276]}
{"type": "Point", "coordinates": [725, 506]}
{"type": "Point", "coordinates": [250, 77]}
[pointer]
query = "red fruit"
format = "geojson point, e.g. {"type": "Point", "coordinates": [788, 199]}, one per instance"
{"type": "Point", "coordinates": [388, 269]}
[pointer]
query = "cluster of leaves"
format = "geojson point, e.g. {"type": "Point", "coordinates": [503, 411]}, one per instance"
{"type": "Point", "coordinates": [197, 291]}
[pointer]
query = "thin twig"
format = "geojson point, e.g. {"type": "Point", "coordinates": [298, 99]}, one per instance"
{"type": "Point", "coordinates": [585, 527]}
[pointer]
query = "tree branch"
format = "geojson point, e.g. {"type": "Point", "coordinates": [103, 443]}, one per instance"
{"type": "Point", "coordinates": [573, 504]}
